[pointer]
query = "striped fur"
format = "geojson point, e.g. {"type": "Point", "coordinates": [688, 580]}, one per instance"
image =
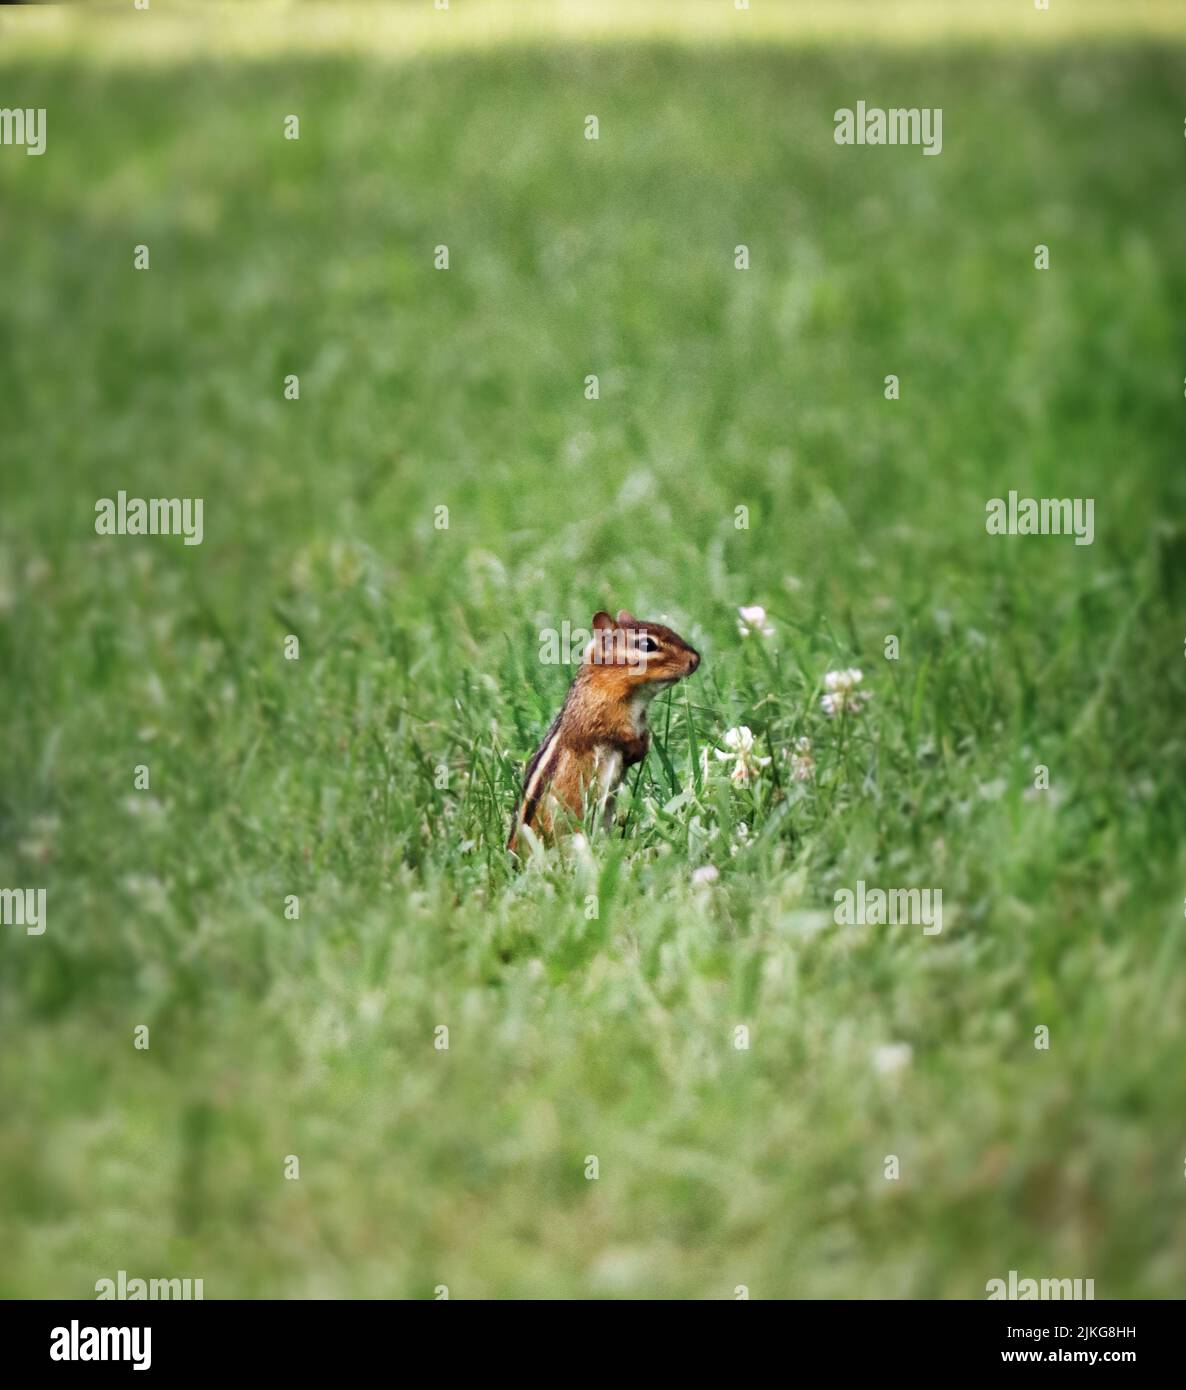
{"type": "Point", "coordinates": [539, 772]}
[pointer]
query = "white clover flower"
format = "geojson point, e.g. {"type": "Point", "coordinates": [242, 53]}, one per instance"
{"type": "Point", "coordinates": [739, 750]}
{"type": "Point", "coordinates": [802, 761]}
{"type": "Point", "coordinates": [892, 1058]}
{"type": "Point", "coordinates": [706, 875]}
{"type": "Point", "coordinates": [843, 694]}
{"type": "Point", "coordinates": [752, 619]}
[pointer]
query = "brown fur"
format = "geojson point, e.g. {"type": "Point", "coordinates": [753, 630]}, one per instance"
{"type": "Point", "coordinates": [601, 729]}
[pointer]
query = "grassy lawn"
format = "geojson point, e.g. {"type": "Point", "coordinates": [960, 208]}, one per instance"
{"type": "Point", "coordinates": [612, 1035]}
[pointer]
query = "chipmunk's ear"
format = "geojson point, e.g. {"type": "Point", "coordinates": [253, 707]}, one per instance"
{"type": "Point", "coordinates": [625, 616]}
{"type": "Point", "coordinates": [601, 621]}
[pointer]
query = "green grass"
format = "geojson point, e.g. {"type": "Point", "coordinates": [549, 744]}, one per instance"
{"type": "Point", "coordinates": [419, 648]}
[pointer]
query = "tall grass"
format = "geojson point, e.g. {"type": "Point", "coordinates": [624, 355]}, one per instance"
{"type": "Point", "coordinates": [610, 1035]}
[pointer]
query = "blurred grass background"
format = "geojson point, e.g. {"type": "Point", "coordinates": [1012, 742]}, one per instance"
{"type": "Point", "coordinates": [719, 388]}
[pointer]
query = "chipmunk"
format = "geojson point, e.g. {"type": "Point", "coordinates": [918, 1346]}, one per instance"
{"type": "Point", "coordinates": [601, 729]}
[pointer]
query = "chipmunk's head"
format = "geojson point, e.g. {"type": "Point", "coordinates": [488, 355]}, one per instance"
{"type": "Point", "coordinates": [638, 654]}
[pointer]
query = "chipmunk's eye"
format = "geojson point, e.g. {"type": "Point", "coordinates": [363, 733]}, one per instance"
{"type": "Point", "coordinates": [647, 644]}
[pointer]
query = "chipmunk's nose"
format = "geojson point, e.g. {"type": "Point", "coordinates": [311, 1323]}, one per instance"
{"type": "Point", "coordinates": [695, 655]}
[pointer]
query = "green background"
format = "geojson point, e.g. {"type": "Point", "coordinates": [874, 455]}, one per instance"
{"type": "Point", "coordinates": [419, 649]}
